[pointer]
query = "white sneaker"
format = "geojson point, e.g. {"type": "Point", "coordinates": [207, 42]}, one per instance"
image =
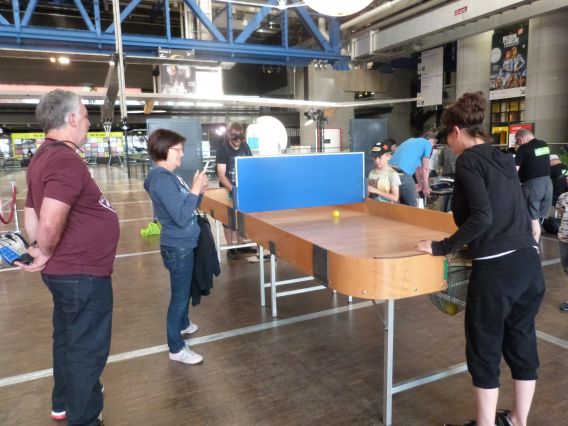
{"type": "Point", "coordinates": [187, 356]}
{"type": "Point", "coordinates": [192, 328]}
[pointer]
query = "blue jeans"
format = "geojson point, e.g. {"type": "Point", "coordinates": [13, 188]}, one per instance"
{"type": "Point", "coordinates": [179, 262]}
{"type": "Point", "coordinates": [407, 190]}
{"type": "Point", "coordinates": [82, 320]}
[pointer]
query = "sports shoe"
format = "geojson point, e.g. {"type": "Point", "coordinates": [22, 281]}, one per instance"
{"type": "Point", "coordinates": [58, 415]}
{"type": "Point", "coordinates": [502, 418]}
{"type": "Point", "coordinates": [564, 306]}
{"type": "Point", "coordinates": [62, 415]}
{"type": "Point", "coordinates": [187, 356]}
{"type": "Point", "coordinates": [192, 328]}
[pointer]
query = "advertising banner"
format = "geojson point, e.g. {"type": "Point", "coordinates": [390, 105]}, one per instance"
{"type": "Point", "coordinates": [509, 62]}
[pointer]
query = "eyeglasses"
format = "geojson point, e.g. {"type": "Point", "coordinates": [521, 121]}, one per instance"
{"type": "Point", "coordinates": [176, 149]}
{"type": "Point", "coordinates": [237, 136]}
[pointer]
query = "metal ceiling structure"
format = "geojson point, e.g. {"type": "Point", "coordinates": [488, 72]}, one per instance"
{"type": "Point", "coordinates": [200, 29]}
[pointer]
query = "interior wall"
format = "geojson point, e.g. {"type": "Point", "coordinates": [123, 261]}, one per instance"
{"type": "Point", "coordinates": [547, 74]}
{"type": "Point", "coordinates": [547, 77]}
{"type": "Point", "coordinates": [473, 66]}
{"type": "Point", "coordinates": [323, 86]}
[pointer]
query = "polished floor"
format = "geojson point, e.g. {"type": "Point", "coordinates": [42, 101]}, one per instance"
{"type": "Point", "coordinates": [319, 363]}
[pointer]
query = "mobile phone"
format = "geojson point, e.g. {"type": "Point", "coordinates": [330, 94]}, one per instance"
{"type": "Point", "coordinates": [10, 256]}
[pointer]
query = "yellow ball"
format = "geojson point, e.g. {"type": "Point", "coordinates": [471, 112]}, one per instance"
{"type": "Point", "coordinates": [452, 309]}
{"type": "Point", "coordinates": [336, 214]}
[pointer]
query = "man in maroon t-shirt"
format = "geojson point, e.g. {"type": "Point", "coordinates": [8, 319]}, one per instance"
{"type": "Point", "coordinates": [75, 232]}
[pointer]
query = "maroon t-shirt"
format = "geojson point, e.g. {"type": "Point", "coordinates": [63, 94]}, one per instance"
{"type": "Point", "coordinates": [88, 243]}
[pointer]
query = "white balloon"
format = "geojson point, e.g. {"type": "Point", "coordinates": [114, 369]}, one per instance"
{"type": "Point", "coordinates": [267, 136]}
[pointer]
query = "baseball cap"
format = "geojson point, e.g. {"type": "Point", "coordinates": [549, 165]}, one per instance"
{"type": "Point", "coordinates": [380, 148]}
{"type": "Point", "coordinates": [554, 157]}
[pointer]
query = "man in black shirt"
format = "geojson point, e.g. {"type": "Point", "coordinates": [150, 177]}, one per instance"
{"type": "Point", "coordinates": [533, 165]}
{"type": "Point", "coordinates": [234, 146]}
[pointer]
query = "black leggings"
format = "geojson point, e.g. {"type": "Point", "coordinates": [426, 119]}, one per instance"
{"type": "Point", "coordinates": [503, 299]}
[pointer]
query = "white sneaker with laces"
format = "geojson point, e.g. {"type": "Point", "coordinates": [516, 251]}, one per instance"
{"type": "Point", "coordinates": [186, 356]}
{"type": "Point", "coordinates": [192, 328]}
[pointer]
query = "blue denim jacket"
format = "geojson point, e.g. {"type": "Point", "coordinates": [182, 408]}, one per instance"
{"type": "Point", "coordinates": [174, 206]}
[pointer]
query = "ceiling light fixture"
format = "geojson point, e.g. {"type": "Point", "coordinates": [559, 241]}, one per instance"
{"type": "Point", "coordinates": [63, 60]}
{"type": "Point", "coordinates": [52, 60]}
{"type": "Point", "coordinates": [337, 7]}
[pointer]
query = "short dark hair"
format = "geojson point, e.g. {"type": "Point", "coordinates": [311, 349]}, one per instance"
{"type": "Point", "coordinates": [160, 141]}
{"type": "Point", "coordinates": [235, 126]}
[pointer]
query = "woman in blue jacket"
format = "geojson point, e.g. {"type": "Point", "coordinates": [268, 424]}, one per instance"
{"type": "Point", "coordinates": [174, 204]}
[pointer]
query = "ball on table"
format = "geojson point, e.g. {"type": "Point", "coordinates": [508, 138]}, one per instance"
{"type": "Point", "coordinates": [336, 214]}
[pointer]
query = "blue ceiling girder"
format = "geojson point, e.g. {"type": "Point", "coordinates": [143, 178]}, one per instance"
{"type": "Point", "coordinates": [95, 38]}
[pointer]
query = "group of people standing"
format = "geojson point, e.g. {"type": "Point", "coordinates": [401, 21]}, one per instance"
{"type": "Point", "coordinates": [489, 208]}
{"type": "Point", "coordinates": [75, 232]}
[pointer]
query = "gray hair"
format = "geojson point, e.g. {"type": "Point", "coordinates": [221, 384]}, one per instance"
{"type": "Point", "coordinates": [51, 112]}
{"type": "Point", "coordinates": [521, 133]}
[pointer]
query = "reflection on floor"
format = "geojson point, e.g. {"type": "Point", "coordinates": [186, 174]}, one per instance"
{"type": "Point", "coordinates": [301, 369]}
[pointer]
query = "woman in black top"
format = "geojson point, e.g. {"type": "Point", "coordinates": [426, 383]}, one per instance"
{"type": "Point", "coordinates": [506, 284]}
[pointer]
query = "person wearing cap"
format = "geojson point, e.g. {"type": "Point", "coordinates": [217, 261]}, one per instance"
{"type": "Point", "coordinates": [559, 177]}
{"type": "Point", "coordinates": [413, 157]}
{"type": "Point", "coordinates": [383, 181]}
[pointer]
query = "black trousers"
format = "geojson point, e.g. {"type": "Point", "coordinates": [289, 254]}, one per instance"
{"type": "Point", "coordinates": [504, 296]}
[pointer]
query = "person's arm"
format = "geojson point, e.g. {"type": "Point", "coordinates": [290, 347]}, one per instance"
{"type": "Point", "coordinates": [422, 176]}
{"type": "Point", "coordinates": [46, 231]}
{"type": "Point", "coordinates": [179, 205]}
{"type": "Point", "coordinates": [221, 170]}
{"type": "Point", "coordinates": [480, 212]}
{"type": "Point", "coordinates": [30, 222]}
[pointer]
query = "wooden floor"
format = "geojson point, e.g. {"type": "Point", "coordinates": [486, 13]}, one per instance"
{"type": "Point", "coordinates": [318, 364]}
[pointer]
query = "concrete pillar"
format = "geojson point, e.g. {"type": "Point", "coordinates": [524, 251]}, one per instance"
{"type": "Point", "coordinates": [547, 77]}
{"type": "Point", "coordinates": [473, 66]}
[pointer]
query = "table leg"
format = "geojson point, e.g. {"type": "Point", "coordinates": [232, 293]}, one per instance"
{"type": "Point", "coordinates": [261, 273]}
{"type": "Point", "coordinates": [217, 240]}
{"type": "Point", "coordinates": [388, 363]}
{"type": "Point", "coordinates": [273, 285]}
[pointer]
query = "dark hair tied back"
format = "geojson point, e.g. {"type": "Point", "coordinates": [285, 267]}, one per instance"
{"type": "Point", "coordinates": [468, 113]}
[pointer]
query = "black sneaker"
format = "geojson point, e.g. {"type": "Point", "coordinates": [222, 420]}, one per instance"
{"type": "Point", "coordinates": [502, 418]}
{"type": "Point", "coordinates": [564, 306]}
{"type": "Point", "coordinates": [232, 254]}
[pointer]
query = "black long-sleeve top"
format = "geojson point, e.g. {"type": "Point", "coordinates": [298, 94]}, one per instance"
{"type": "Point", "coordinates": [488, 205]}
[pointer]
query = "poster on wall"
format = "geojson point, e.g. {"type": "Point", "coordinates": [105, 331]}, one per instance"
{"type": "Point", "coordinates": [509, 50]}
{"type": "Point", "coordinates": [177, 79]}
{"type": "Point", "coordinates": [431, 72]}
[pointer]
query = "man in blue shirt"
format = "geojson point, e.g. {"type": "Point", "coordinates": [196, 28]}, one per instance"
{"type": "Point", "coordinates": [413, 156]}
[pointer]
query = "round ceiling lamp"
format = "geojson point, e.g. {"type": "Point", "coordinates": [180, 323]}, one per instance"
{"type": "Point", "coordinates": [337, 7]}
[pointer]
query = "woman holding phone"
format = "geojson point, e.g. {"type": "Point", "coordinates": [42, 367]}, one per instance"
{"type": "Point", "coordinates": [175, 203]}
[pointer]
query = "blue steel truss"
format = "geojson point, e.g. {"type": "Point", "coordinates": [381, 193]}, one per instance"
{"type": "Point", "coordinates": [17, 31]}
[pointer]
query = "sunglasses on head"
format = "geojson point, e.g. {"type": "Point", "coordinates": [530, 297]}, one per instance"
{"type": "Point", "coordinates": [237, 136]}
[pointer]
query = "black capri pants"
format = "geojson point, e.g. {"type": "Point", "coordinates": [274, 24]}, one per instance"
{"type": "Point", "coordinates": [504, 296]}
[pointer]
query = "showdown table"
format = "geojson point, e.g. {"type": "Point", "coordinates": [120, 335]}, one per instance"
{"type": "Point", "coordinates": [367, 252]}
